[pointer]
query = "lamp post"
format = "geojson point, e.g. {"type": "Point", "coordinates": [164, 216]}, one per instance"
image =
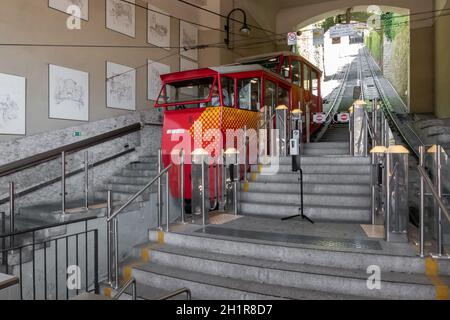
{"type": "Point", "coordinates": [245, 29]}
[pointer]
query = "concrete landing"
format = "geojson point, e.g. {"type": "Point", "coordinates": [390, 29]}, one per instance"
{"type": "Point", "coordinates": [296, 233]}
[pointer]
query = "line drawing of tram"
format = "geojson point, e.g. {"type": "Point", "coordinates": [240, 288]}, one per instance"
{"type": "Point", "coordinates": [232, 97]}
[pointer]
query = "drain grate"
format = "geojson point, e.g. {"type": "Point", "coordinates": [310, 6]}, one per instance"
{"type": "Point", "coordinates": [293, 238]}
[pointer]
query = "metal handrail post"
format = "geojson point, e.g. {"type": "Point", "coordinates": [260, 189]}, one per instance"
{"type": "Point", "coordinates": [351, 128]}
{"type": "Point", "coordinates": [366, 134]}
{"type": "Point", "coordinates": [422, 204]}
{"type": "Point", "coordinates": [383, 129]}
{"type": "Point", "coordinates": [245, 155]}
{"type": "Point", "coordinates": [86, 179]}
{"type": "Point", "coordinates": [182, 177]}
{"type": "Point", "coordinates": [116, 252]}
{"type": "Point", "coordinates": [235, 196]}
{"type": "Point", "coordinates": [439, 242]}
{"type": "Point", "coordinates": [308, 124]}
{"type": "Point", "coordinates": [167, 187]}
{"type": "Point", "coordinates": [373, 173]}
{"type": "Point", "coordinates": [4, 255]}
{"type": "Point", "coordinates": [159, 192]}
{"type": "Point", "coordinates": [203, 207]}
{"type": "Point", "coordinates": [12, 206]}
{"type": "Point", "coordinates": [63, 182]}
{"type": "Point", "coordinates": [109, 236]}
{"type": "Point", "coordinates": [388, 196]}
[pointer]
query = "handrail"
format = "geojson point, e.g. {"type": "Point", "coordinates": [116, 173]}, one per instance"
{"type": "Point", "coordinates": [49, 226]}
{"type": "Point", "coordinates": [177, 293]}
{"type": "Point", "coordinates": [24, 192]}
{"type": "Point", "coordinates": [26, 163]}
{"type": "Point", "coordinates": [148, 185]}
{"type": "Point", "coordinates": [434, 192]}
{"type": "Point", "coordinates": [130, 283]}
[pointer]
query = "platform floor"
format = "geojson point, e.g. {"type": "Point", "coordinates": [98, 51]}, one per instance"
{"type": "Point", "coordinates": [297, 233]}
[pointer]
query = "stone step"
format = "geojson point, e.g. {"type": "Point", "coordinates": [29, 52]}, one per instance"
{"type": "Point", "coordinates": [143, 166]}
{"type": "Point", "coordinates": [311, 168]}
{"type": "Point", "coordinates": [325, 151]}
{"type": "Point", "coordinates": [139, 173]}
{"type": "Point", "coordinates": [210, 287]}
{"type": "Point", "coordinates": [323, 213]}
{"type": "Point", "coordinates": [122, 196]}
{"type": "Point", "coordinates": [349, 201]}
{"type": "Point", "coordinates": [336, 281]}
{"type": "Point", "coordinates": [313, 178]}
{"type": "Point", "coordinates": [141, 181]}
{"type": "Point", "coordinates": [336, 189]}
{"type": "Point", "coordinates": [331, 160]}
{"type": "Point", "coordinates": [129, 188]}
{"type": "Point", "coordinates": [327, 145]}
{"type": "Point", "coordinates": [298, 253]}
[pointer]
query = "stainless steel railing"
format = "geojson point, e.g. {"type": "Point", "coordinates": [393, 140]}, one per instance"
{"type": "Point", "coordinates": [113, 223]}
{"type": "Point", "coordinates": [130, 283]}
{"type": "Point", "coordinates": [436, 192]}
{"type": "Point", "coordinates": [177, 293]}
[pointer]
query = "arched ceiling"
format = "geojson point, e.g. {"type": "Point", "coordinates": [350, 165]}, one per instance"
{"type": "Point", "coordinates": [299, 13]}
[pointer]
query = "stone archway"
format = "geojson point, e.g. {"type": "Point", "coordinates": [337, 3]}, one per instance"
{"type": "Point", "coordinates": [421, 92]}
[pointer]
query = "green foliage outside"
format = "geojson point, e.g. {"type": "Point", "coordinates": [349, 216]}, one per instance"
{"type": "Point", "coordinates": [400, 58]}
{"type": "Point", "coordinates": [374, 44]}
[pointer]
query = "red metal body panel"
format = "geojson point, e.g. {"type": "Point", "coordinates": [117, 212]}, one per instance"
{"type": "Point", "coordinates": [178, 124]}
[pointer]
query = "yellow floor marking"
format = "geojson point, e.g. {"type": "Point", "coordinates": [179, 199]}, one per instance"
{"type": "Point", "coordinates": [160, 237]}
{"type": "Point", "coordinates": [107, 292]}
{"type": "Point", "coordinates": [246, 186]}
{"type": "Point", "coordinates": [432, 271]}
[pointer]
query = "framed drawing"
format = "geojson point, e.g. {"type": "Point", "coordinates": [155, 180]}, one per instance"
{"type": "Point", "coordinates": [63, 5]}
{"type": "Point", "coordinates": [120, 86]}
{"type": "Point", "coordinates": [121, 16]}
{"type": "Point", "coordinates": [188, 39]}
{"type": "Point", "coordinates": [155, 70]}
{"type": "Point", "coordinates": [12, 104]}
{"type": "Point", "coordinates": [68, 94]}
{"type": "Point", "coordinates": [186, 64]}
{"type": "Point", "coordinates": [158, 27]}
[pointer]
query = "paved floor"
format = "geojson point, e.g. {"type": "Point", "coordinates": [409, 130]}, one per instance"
{"type": "Point", "coordinates": [327, 236]}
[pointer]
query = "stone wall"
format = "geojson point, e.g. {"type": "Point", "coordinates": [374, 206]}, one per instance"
{"type": "Point", "coordinates": [146, 141]}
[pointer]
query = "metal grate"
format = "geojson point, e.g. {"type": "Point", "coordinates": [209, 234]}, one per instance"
{"type": "Point", "coordinates": [293, 238]}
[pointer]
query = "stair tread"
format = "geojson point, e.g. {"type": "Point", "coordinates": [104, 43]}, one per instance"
{"type": "Point", "coordinates": [276, 292]}
{"type": "Point", "coordinates": [308, 206]}
{"type": "Point", "coordinates": [395, 277]}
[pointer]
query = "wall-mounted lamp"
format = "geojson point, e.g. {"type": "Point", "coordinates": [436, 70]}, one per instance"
{"type": "Point", "coordinates": [245, 29]}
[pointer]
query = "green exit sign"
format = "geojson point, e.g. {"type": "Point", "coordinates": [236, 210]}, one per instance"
{"type": "Point", "coordinates": [77, 134]}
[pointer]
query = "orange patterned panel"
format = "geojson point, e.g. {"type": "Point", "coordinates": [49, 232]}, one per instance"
{"type": "Point", "coordinates": [232, 119]}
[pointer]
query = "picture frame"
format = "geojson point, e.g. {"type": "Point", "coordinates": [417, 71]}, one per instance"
{"type": "Point", "coordinates": [68, 93]}
{"type": "Point", "coordinates": [13, 103]}
{"type": "Point", "coordinates": [120, 17]}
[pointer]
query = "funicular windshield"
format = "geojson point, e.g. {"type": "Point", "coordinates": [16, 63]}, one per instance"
{"type": "Point", "coordinates": [191, 93]}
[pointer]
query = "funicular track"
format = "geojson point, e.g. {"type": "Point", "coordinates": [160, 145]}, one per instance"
{"type": "Point", "coordinates": [397, 120]}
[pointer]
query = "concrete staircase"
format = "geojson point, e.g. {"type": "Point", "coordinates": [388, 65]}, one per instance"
{"type": "Point", "coordinates": [336, 186]}
{"type": "Point", "coordinates": [129, 180]}
{"type": "Point", "coordinates": [220, 267]}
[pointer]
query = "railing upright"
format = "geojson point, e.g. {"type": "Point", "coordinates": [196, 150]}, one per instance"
{"type": "Point", "coordinates": [63, 182]}
{"type": "Point", "coordinates": [422, 203]}
{"type": "Point", "coordinates": [159, 192]}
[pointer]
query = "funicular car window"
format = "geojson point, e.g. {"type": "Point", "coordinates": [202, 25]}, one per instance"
{"type": "Point", "coordinates": [306, 78]}
{"type": "Point", "coordinates": [249, 93]}
{"type": "Point", "coordinates": [271, 63]}
{"type": "Point", "coordinates": [227, 91]}
{"type": "Point", "coordinates": [191, 90]}
{"type": "Point", "coordinates": [315, 83]}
